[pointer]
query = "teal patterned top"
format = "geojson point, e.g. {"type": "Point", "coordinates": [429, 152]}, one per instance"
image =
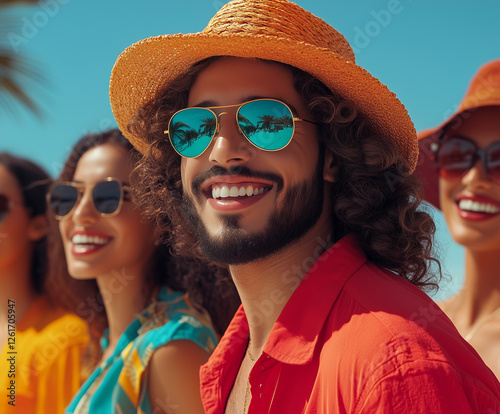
{"type": "Point", "coordinates": [119, 384]}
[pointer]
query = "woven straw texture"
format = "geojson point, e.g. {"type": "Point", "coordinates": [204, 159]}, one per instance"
{"type": "Point", "coordinates": [276, 30]}
{"type": "Point", "coordinates": [484, 90]}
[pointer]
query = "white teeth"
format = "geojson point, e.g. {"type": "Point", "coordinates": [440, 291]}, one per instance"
{"type": "Point", "coordinates": [84, 239]}
{"type": "Point", "coordinates": [234, 191]}
{"type": "Point", "coordinates": [215, 192]}
{"type": "Point", "coordinates": [477, 207]}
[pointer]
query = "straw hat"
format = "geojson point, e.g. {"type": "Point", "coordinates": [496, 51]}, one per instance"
{"type": "Point", "coordinates": [484, 90]}
{"type": "Point", "coordinates": [276, 30]}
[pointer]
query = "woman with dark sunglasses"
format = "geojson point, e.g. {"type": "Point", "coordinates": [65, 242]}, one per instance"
{"type": "Point", "coordinates": [42, 344]}
{"type": "Point", "coordinates": [460, 165]}
{"type": "Point", "coordinates": [145, 305]}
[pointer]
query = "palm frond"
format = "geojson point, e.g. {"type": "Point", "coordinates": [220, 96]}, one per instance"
{"type": "Point", "coordinates": [11, 84]}
{"type": "Point", "coordinates": [19, 75]}
{"type": "Point", "coordinates": [18, 2]}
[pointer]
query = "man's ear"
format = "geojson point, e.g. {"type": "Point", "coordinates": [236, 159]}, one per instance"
{"type": "Point", "coordinates": [38, 227]}
{"type": "Point", "coordinates": [330, 168]}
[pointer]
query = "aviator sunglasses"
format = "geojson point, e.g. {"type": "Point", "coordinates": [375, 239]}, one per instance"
{"type": "Point", "coordinates": [456, 155]}
{"type": "Point", "coordinates": [107, 197]}
{"type": "Point", "coordinates": [268, 124]}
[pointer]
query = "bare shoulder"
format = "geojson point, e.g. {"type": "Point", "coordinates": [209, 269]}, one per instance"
{"type": "Point", "coordinates": [174, 384]}
{"type": "Point", "coordinates": [179, 353]}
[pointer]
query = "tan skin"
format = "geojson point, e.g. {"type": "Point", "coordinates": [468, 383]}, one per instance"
{"type": "Point", "coordinates": [120, 269]}
{"type": "Point", "coordinates": [230, 81]}
{"type": "Point", "coordinates": [472, 310]}
{"type": "Point", "coordinates": [18, 232]}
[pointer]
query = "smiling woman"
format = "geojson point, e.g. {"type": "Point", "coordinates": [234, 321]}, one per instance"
{"type": "Point", "coordinates": [123, 240]}
{"type": "Point", "coordinates": [143, 303]}
{"type": "Point", "coordinates": [465, 151]}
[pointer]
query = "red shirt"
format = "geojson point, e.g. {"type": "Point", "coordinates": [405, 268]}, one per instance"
{"type": "Point", "coordinates": [354, 338]}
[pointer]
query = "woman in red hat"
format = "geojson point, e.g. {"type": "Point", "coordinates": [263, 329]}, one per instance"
{"type": "Point", "coordinates": [465, 153]}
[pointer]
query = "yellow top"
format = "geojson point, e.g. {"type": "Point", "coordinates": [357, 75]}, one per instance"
{"type": "Point", "coordinates": [41, 365]}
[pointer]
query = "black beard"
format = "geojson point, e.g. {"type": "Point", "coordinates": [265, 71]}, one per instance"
{"type": "Point", "coordinates": [302, 207]}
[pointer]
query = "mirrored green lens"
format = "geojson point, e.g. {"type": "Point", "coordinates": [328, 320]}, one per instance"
{"type": "Point", "coordinates": [191, 131]}
{"type": "Point", "coordinates": [107, 196]}
{"type": "Point", "coordinates": [62, 199]}
{"type": "Point", "coordinates": [266, 123]}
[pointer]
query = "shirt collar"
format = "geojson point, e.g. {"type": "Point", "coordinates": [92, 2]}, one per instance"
{"type": "Point", "coordinates": [295, 333]}
{"type": "Point", "coordinates": [218, 374]}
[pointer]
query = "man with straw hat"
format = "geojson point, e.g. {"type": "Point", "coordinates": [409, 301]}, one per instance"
{"type": "Point", "coordinates": [267, 149]}
{"type": "Point", "coordinates": [460, 166]}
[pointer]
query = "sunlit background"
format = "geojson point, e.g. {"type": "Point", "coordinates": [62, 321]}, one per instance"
{"type": "Point", "coordinates": [56, 57]}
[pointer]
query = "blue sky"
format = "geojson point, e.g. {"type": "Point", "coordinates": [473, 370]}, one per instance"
{"type": "Point", "coordinates": [425, 51]}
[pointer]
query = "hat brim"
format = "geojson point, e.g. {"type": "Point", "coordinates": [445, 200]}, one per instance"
{"type": "Point", "coordinates": [148, 66]}
{"type": "Point", "coordinates": [426, 169]}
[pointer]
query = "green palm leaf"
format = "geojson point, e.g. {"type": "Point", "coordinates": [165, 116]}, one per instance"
{"type": "Point", "coordinates": [18, 74]}
{"type": "Point", "coordinates": [12, 2]}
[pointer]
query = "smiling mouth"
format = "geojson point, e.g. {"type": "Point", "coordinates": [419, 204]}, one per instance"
{"type": "Point", "coordinates": [477, 207]}
{"type": "Point", "coordinates": [220, 191]}
{"type": "Point", "coordinates": [84, 242]}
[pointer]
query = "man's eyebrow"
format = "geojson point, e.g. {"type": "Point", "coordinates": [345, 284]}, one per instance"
{"type": "Point", "coordinates": [204, 104]}
{"type": "Point", "coordinates": [208, 103]}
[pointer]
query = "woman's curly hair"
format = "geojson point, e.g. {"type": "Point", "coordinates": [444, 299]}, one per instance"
{"type": "Point", "coordinates": [373, 198]}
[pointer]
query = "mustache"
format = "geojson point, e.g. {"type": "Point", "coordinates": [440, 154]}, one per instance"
{"type": "Point", "coordinates": [237, 170]}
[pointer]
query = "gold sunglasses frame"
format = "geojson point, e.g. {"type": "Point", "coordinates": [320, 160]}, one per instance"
{"type": "Point", "coordinates": [217, 126]}
{"type": "Point", "coordinates": [81, 187]}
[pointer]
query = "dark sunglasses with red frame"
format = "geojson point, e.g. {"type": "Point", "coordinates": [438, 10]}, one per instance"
{"type": "Point", "coordinates": [454, 156]}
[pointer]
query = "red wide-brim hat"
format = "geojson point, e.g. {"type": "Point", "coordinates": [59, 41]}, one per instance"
{"type": "Point", "coordinates": [484, 90]}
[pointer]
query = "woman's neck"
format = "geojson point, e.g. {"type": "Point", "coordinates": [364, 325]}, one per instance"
{"type": "Point", "coordinates": [16, 285]}
{"type": "Point", "coordinates": [123, 297]}
{"type": "Point", "coordinates": [16, 290]}
{"type": "Point", "coordinates": [480, 294]}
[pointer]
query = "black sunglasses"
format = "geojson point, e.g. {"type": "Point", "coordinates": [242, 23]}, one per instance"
{"type": "Point", "coordinates": [456, 155]}
{"type": "Point", "coordinates": [107, 197]}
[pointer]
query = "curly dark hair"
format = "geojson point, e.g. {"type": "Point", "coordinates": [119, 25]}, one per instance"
{"type": "Point", "coordinates": [183, 274]}
{"type": "Point", "coordinates": [374, 197]}
{"type": "Point", "coordinates": [34, 182]}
